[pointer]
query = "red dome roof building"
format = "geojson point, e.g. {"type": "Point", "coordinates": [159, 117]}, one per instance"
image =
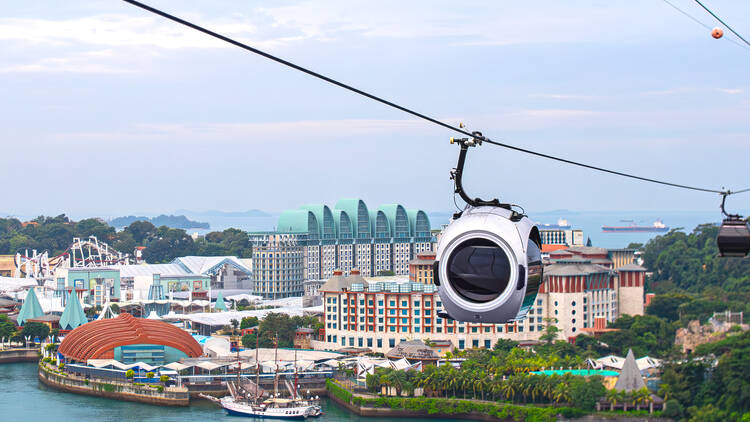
{"type": "Point", "coordinates": [128, 339]}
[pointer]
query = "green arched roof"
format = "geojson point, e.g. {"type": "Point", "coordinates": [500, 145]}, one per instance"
{"type": "Point", "coordinates": [344, 226]}
{"type": "Point", "coordinates": [380, 225]}
{"type": "Point", "coordinates": [358, 214]}
{"type": "Point", "coordinates": [298, 221]}
{"type": "Point", "coordinates": [418, 222]}
{"type": "Point", "coordinates": [325, 220]}
{"type": "Point", "coordinates": [397, 219]}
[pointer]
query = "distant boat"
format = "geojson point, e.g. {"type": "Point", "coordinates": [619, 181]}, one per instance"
{"type": "Point", "coordinates": [562, 224]}
{"type": "Point", "coordinates": [657, 227]}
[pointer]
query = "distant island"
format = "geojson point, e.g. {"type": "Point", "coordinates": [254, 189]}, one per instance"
{"type": "Point", "coordinates": [216, 213]}
{"type": "Point", "coordinates": [173, 221]}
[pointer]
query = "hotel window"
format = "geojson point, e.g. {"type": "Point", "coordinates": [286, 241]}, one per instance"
{"type": "Point", "coordinates": [427, 329]}
{"type": "Point", "coordinates": [438, 329]}
{"type": "Point", "coordinates": [450, 330]}
{"type": "Point", "coordinates": [520, 328]}
{"type": "Point", "coordinates": [380, 342]}
{"type": "Point", "coordinates": [392, 342]}
{"type": "Point", "coordinates": [416, 329]}
{"type": "Point", "coordinates": [460, 329]}
{"type": "Point", "coordinates": [486, 329]}
{"type": "Point", "coordinates": [461, 344]}
{"type": "Point", "coordinates": [393, 329]}
{"type": "Point", "coordinates": [487, 344]}
{"type": "Point", "coordinates": [473, 329]}
{"type": "Point", "coordinates": [475, 343]}
{"type": "Point", "coordinates": [531, 328]}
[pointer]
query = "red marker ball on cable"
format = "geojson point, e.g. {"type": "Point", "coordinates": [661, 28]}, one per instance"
{"type": "Point", "coordinates": [717, 33]}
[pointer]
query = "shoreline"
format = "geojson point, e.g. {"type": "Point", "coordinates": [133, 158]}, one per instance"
{"type": "Point", "coordinates": [19, 355]}
{"type": "Point", "coordinates": [170, 397]}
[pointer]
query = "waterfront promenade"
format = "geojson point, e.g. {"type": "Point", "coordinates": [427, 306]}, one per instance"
{"type": "Point", "coordinates": [52, 377]}
{"type": "Point", "coordinates": [19, 354]}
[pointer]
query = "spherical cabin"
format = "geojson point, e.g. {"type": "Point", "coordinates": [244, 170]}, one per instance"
{"type": "Point", "coordinates": [128, 339]}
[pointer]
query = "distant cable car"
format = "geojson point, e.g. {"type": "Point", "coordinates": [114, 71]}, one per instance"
{"type": "Point", "coordinates": [717, 33]}
{"type": "Point", "coordinates": [488, 266]}
{"type": "Point", "coordinates": [734, 235]}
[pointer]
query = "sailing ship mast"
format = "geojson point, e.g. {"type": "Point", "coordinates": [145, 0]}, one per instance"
{"type": "Point", "coordinates": [257, 368]}
{"type": "Point", "coordinates": [276, 363]}
{"type": "Point", "coordinates": [295, 393]}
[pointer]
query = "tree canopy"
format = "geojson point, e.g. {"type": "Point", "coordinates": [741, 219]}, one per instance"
{"type": "Point", "coordinates": [163, 244]}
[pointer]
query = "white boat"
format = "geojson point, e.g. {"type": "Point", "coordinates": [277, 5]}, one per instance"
{"type": "Point", "coordinates": [272, 408]}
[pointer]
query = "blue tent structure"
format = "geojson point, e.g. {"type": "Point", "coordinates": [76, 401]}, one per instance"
{"type": "Point", "coordinates": [73, 315]}
{"type": "Point", "coordinates": [30, 308]}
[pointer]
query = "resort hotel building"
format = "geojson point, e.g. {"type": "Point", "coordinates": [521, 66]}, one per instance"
{"type": "Point", "coordinates": [314, 240]}
{"type": "Point", "coordinates": [583, 290]}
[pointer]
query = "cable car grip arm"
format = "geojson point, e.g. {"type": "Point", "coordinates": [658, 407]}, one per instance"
{"type": "Point", "coordinates": [457, 173]}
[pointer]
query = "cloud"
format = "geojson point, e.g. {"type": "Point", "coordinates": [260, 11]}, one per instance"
{"type": "Point", "coordinates": [119, 31]}
{"type": "Point", "coordinates": [71, 64]}
{"type": "Point", "coordinates": [731, 91]}
{"type": "Point", "coordinates": [565, 96]}
{"type": "Point", "coordinates": [264, 132]}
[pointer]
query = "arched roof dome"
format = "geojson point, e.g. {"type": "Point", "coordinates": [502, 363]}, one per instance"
{"type": "Point", "coordinates": [344, 226]}
{"type": "Point", "coordinates": [419, 223]}
{"type": "Point", "coordinates": [397, 220]}
{"type": "Point", "coordinates": [95, 339]}
{"type": "Point", "coordinates": [299, 221]}
{"type": "Point", "coordinates": [358, 214]}
{"type": "Point", "coordinates": [325, 220]}
{"type": "Point", "coordinates": [380, 225]}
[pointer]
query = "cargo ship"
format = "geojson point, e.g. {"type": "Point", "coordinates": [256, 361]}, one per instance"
{"type": "Point", "coordinates": [562, 224]}
{"type": "Point", "coordinates": [657, 227]}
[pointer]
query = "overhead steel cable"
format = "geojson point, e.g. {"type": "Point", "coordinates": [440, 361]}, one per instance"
{"type": "Point", "coordinates": [694, 19]}
{"type": "Point", "coordinates": [722, 22]}
{"type": "Point", "coordinates": [408, 110]}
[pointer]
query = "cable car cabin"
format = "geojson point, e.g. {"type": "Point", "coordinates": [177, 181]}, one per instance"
{"type": "Point", "coordinates": [734, 238]}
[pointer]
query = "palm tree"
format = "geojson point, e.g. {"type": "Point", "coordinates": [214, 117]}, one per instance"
{"type": "Point", "coordinates": [612, 397]}
{"type": "Point", "coordinates": [640, 396]}
{"type": "Point", "coordinates": [560, 393]}
{"type": "Point", "coordinates": [507, 390]}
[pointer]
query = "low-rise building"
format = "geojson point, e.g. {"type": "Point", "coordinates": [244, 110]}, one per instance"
{"type": "Point", "coordinates": [577, 295]}
{"type": "Point", "coordinates": [421, 268]}
{"type": "Point", "coordinates": [225, 272]}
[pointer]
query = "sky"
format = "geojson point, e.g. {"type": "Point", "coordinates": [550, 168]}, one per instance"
{"type": "Point", "coordinates": [108, 110]}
